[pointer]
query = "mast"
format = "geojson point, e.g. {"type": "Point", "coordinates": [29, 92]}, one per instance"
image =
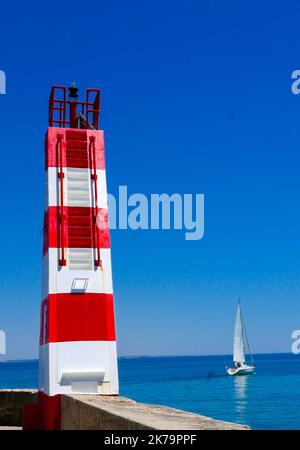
{"type": "Point", "coordinates": [245, 336]}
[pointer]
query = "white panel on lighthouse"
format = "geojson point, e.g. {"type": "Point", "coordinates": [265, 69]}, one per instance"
{"type": "Point", "coordinates": [78, 187]}
{"type": "Point", "coordinates": [80, 258]}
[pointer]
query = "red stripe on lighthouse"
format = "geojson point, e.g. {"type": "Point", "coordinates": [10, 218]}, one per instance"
{"type": "Point", "coordinates": [77, 317]}
{"type": "Point", "coordinates": [78, 227]}
{"type": "Point", "coordinates": [44, 415]}
{"type": "Point", "coordinates": [76, 150]}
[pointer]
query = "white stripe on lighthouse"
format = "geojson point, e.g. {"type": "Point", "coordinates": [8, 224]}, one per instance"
{"type": "Point", "coordinates": [73, 175]}
{"type": "Point", "coordinates": [76, 367]}
{"type": "Point", "coordinates": [60, 279]}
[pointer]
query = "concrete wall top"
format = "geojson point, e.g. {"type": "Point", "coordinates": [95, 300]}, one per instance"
{"type": "Point", "coordinates": [90, 412]}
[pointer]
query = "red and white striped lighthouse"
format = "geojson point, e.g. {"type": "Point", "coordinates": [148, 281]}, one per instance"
{"type": "Point", "coordinates": [77, 333]}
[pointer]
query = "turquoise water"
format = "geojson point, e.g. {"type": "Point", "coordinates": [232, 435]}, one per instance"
{"type": "Point", "coordinates": [268, 400]}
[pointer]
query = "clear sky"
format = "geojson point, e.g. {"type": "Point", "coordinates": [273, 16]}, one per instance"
{"type": "Point", "coordinates": [196, 98]}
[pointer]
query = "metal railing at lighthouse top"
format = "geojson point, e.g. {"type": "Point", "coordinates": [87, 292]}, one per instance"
{"type": "Point", "coordinates": [69, 112]}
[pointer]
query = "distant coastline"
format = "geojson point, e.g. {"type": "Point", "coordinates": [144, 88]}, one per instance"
{"type": "Point", "coordinates": [156, 356]}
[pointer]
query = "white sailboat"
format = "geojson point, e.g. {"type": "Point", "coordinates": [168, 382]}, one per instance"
{"type": "Point", "coordinates": [240, 348]}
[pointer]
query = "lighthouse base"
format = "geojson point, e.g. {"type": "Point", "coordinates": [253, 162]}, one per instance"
{"type": "Point", "coordinates": [45, 415]}
{"type": "Point", "coordinates": [78, 367]}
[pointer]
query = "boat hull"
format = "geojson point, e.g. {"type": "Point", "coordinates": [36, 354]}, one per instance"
{"type": "Point", "coordinates": [244, 370]}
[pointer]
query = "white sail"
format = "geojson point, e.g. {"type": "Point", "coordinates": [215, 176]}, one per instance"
{"type": "Point", "coordinates": [238, 345]}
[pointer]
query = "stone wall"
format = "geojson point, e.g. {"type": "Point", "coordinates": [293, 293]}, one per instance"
{"type": "Point", "coordinates": [12, 403]}
{"type": "Point", "coordinates": [96, 412]}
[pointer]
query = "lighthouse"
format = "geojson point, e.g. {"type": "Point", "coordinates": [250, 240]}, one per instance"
{"type": "Point", "coordinates": [77, 347]}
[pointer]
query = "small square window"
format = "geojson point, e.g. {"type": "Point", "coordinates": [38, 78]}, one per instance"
{"type": "Point", "coordinates": [80, 284]}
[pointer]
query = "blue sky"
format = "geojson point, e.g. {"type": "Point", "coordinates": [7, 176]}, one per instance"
{"type": "Point", "coordinates": [196, 98]}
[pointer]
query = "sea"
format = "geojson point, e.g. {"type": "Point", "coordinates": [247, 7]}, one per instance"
{"type": "Point", "coordinates": [270, 399]}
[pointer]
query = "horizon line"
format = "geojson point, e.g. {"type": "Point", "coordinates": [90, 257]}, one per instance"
{"type": "Point", "coordinates": [160, 356]}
